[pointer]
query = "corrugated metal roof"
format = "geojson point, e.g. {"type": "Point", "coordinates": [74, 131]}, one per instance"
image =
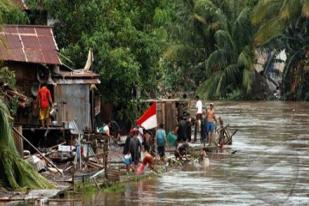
{"type": "Point", "coordinates": [77, 81]}
{"type": "Point", "coordinates": [77, 77]}
{"type": "Point", "coordinates": [80, 73]}
{"type": "Point", "coordinates": [29, 43]}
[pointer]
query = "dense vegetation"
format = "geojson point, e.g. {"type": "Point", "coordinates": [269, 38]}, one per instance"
{"type": "Point", "coordinates": [160, 48]}
{"type": "Point", "coordinates": [15, 172]}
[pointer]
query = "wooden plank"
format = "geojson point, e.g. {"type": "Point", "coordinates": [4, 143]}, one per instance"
{"type": "Point", "coordinates": [19, 142]}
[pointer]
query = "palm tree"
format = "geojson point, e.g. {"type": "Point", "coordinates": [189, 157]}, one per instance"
{"type": "Point", "coordinates": [283, 25]}
{"type": "Point", "coordinates": [229, 66]}
{"type": "Point", "coordinates": [211, 46]}
{"type": "Point", "coordinates": [272, 17]}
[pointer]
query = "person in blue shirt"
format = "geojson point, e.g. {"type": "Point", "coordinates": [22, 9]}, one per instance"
{"type": "Point", "coordinates": [160, 140]}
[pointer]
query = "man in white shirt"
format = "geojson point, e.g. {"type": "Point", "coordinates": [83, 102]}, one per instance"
{"type": "Point", "coordinates": [199, 112]}
{"type": "Point", "coordinates": [199, 106]}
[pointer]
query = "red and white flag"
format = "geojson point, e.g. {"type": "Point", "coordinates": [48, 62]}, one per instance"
{"type": "Point", "coordinates": [149, 119]}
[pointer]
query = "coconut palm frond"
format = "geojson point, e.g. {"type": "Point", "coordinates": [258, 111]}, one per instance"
{"type": "Point", "coordinates": [269, 31]}
{"type": "Point", "coordinates": [289, 10]}
{"type": "Point", "coordinates": [225, 42]}
{"type": "Point", "coordinates": [264, 9]}
{"type": "Point", "coordinates": [215, 61]}
{"type": "Point", "coordinates": [209, 87]}
{"type": "Point", "coordinates": [247, 80]}
{"type": "Point", "coordinates": [232, 72]}
{"type": "Point", "coordinates": [245, 58]}
{"type": "Point", "coordinates": [242, 29]}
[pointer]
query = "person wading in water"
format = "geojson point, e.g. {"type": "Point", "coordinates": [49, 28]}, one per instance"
{"type": "Point", "coordinates": [211, 119]}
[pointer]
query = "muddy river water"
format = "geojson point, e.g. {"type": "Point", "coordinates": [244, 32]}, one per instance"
{"type": "Point", "coordinates": [270, 164]}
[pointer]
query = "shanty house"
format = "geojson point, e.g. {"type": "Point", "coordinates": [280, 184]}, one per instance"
{"type": "Point", "coordinates": [32, 53]}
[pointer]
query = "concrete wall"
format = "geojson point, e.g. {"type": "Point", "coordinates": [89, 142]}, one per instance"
{"type": "Point", "coordinates": [74, 104]}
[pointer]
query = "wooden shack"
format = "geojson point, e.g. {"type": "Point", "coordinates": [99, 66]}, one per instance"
{"type": "Point", "coordinates": [169, 111]}
{"type": "Point", "coordinates": [32, 53]}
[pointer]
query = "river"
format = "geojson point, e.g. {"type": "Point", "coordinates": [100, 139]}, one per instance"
{"type": "Point", "coordinates": [270, 164]}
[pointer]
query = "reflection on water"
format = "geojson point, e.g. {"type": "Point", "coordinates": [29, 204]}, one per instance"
{"type": "Point", "coordinates": [270, 167]}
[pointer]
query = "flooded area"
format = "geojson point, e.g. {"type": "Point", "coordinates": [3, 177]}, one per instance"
{"type": "Point", "coordinates": [269, 164]}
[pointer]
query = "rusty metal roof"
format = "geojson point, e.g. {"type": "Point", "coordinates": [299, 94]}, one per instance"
{"type": "Point", "coordinates": [29, 43]}
{"type": "Point", "coordinates": [79, 73]}
{"type": "Point", "coordinates": [79, 76]}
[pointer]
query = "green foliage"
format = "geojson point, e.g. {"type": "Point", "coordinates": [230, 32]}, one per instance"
{"type": "Point", "coordinates": [272, 17]}
{"type": "Point", "coordinates": [283, 25]}
{"type": "Point", "coordinates": [211, 47]}
{"type": "Point", "coordinates": [15, 173]}
{"type": "Point", "coordinates": [127, 38]}
{"type": "Point", "coordinates": [7, 77]}
{"type": "Point", "coordinates": [11, 14]}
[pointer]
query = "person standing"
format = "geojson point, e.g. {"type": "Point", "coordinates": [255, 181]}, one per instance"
{"type": "Point", "coordinates": [211, 119]}
{"type": "Point", "coordinates": [147, 141]}
{"type": "Point", "coordinates": [181, 130]}
{"type": "Point", "coordinates": [189, 128]}
{"type": "Point", "coordinates": [135, 147]}
{"type": "Point", "coordinates": [45, 101]}
{"type": "Point", "coordinates": [199, 112]}
{"type": "Point", "coordinates": [160, 140]}
{"type": "Point", "coordinates": [204, 128]}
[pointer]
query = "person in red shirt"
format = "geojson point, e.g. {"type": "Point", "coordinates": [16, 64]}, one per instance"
{"type": "Point", "coordinates": [45, 101]}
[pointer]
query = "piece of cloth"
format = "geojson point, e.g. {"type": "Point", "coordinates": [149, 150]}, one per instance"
{"type": "Point", "coordinates": [127, 159]}
{"type": "Point", "coordinates": [171, 139]}
{"type": "Point", "coordinates": [160, 137]}
{"type": "Point", "coordinates": [161, 151]}
{"type": "Point", "coordinates": [44, 114]}
{"type": "Point", "coordinates": [199, 107]}
{"type": "Point", "coordinates": [210, 127]}
{"type": "Point", "coordinates": [44, 95]}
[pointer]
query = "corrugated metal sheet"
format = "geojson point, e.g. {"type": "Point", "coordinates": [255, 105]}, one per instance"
{"type": "Point", "coordinates": [28, 43]}
{"type": "Point", "coordinates": [77, 81]}
{"type": "Point", "coordinates": [77, 77]}
{"type": "Point", "coordinates": [74, 104]}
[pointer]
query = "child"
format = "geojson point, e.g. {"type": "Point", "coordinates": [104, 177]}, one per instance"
{"type": "Point", "coordinates": [203, 160]}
